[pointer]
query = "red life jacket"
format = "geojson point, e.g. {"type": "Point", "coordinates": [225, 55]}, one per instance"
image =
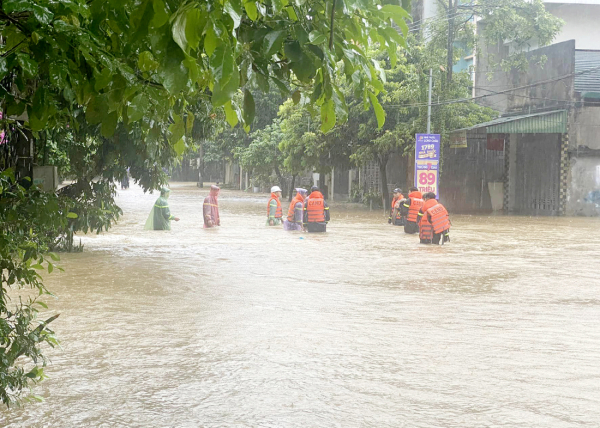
{"type": "Point", "coordinates": [315, 208]}
{"type": "Point", "coordinates": [438, 217]}
{"type": "Point", "coordinates": [292, 209]}
{"type": "Point", "coordinates": [413, 208]}
{"type": "Point", "coordinates": [278, 211]}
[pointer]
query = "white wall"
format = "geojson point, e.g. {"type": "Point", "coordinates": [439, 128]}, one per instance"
{"type": "Point", "coordinates": [582, 22]}
{"type": "Point", "coordinates": [573, 1]}
{"type": "Point", "coordinates": [430, 8]}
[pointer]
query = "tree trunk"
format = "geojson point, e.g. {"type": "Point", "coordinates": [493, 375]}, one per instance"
{"type": "Point", "coordinates": [382, 161]}
{"type": "Point", "coordinates": [281, 180]}
{"type": "Point", "coordinates": [45, 156]}
{"type": "Point", "coordinates": [202, 176]}
{"type": "Point", "coordinates": [450, 57]}
{"type": "Point", "coordinates": [292, 188]}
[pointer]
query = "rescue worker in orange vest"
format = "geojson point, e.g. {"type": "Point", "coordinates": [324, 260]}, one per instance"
{"type": "Point", "coordinates": [395, 213]}
{"type": "Point", "coordinates": [409, 208]}
{"type": "Point", "coordinates": [274, 210]}
{"type": "Point", "coordinates": [434, 223]}
{"type": "Point", "coordinates": [295, 215]}
{"type": "Point", "coordinates": [414, 193]}
{"type": "Point", "coordinates": [316, 212]}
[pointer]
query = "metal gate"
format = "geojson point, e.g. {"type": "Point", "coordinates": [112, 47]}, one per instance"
{"type": "Point", "coordinates": [538, 174]}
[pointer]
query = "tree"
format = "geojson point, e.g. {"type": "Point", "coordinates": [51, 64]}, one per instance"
{"type": "Point", "coordinates": [262, 156]}
{"type": "Point", "coordinates": [229, 142]}
{"type": "Point", "coordinates": [28, 217]}
{"type": "Point", "coordinates": [404, 102]}
{"type": "Point", "coordinates": [135, 62]}
{"type": "Point", "coordinates": [300, 139]}
{"type": "Point", "coordinates": [520, 22]}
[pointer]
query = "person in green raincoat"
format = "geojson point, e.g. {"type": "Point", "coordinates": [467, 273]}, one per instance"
{"type": "Point", "coordinates": [160, 217]}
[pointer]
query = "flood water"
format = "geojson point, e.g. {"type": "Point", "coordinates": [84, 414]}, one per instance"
{"type": "Point", "coordinates": [249, 326]}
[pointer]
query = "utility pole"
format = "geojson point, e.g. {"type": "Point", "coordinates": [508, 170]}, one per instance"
{"type": "Point", "coordinates": [451, 12]}
{"type": "Point", "coordinates": [429, 103]}
{"type": "Point", "coordinates": [332, 182]}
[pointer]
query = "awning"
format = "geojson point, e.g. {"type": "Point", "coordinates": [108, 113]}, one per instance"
{"type": "Point", "coordinates": [592, 95]}
{"type": "Point", "coordinates": [549, 122]}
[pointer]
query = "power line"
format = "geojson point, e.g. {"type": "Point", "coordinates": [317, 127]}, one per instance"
{"type": "Point", "coordinates": [434, 20]}
{"type": "Point", "coordinates": [531, 97]}
{"type": "Point", "coordinates": [445, 17]}
{"type": "Point", "coordinates": [466, 100]}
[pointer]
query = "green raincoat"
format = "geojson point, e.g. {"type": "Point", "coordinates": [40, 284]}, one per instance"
{"type": "Point", "coordinates": [160, 217]}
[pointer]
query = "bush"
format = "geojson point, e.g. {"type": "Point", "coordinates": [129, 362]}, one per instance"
{"type": "Point", "coordinates": [30, 220]}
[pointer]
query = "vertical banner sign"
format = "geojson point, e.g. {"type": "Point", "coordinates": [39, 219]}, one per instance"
{"type": "Point", "coordinates": [427, 160]}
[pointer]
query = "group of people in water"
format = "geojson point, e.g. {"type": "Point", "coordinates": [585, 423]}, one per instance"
{"type": "Point", "coordinates": [422, 214]}
{"type": "Point", "coordinates": [308, 211]}
{"type": "Point", "coordinates": [418, 213]}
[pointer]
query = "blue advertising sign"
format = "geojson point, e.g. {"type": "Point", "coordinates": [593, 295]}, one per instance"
{"type": "Point", "coordinates": [427, 160]}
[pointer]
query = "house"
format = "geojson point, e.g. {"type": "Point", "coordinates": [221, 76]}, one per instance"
{"type": "Point", "coordinates": [542, 156]}
{"type": "Point", "coordinates": [425, 13]}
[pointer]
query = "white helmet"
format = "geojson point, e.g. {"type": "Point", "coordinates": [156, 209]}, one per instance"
{"type": "Point", "coordinates": [275, 189]}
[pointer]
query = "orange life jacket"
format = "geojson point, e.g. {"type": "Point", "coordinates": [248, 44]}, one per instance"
{"type": "Point", "coordinates": [425, 229]}
{"type": "Point", "coordinates": [415, 194]}
{"type": "Point", "coordinates": [278, 211]}
{"type": "Point", "coordinates": [438, 217]}
{"type": "Point", "coordinates": [413, 208]}
{"type": "Point", "coordinates": [315, 208]}
{"type": "Point", "coordinates": [394, 202]}
{"type": "Point", "coordinates": [292, 209]}
{"type": "Point", "coordinates": [428, 204]}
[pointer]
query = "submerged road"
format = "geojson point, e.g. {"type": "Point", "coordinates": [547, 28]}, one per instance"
{"type": "Point", "coordinates": [249, 326]}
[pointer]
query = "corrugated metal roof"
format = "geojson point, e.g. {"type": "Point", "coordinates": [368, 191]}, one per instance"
{"type": "Point", "coordinates": [587, 60]}
{"type": "Point", "coordinates": [549, 122]}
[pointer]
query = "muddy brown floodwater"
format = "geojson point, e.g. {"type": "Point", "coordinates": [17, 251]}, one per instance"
{"type": "Point", "coordinates": [249, 326]}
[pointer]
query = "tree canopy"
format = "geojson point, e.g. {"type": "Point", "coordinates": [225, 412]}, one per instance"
{"type": "Point", "coordinates": [141, 63]}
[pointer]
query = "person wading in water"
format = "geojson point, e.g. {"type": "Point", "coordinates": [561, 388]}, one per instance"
{"type": "Point", "coordinates": [274, 210]}
{"type": "Point", "coordinates": [316, 212]}
{"type": "Point", "coordinates": [160, 216]}
{"type": "Point", "coordinates": [435, 221]}
{"type": "Point", "coordinates": [210, 208]}
{"type": "Point", "coordinates": [296, 211]}
{"type": "Point", "coordinates": [410, 207]}
{"type": "Point", "coordinates": [396, 218]}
